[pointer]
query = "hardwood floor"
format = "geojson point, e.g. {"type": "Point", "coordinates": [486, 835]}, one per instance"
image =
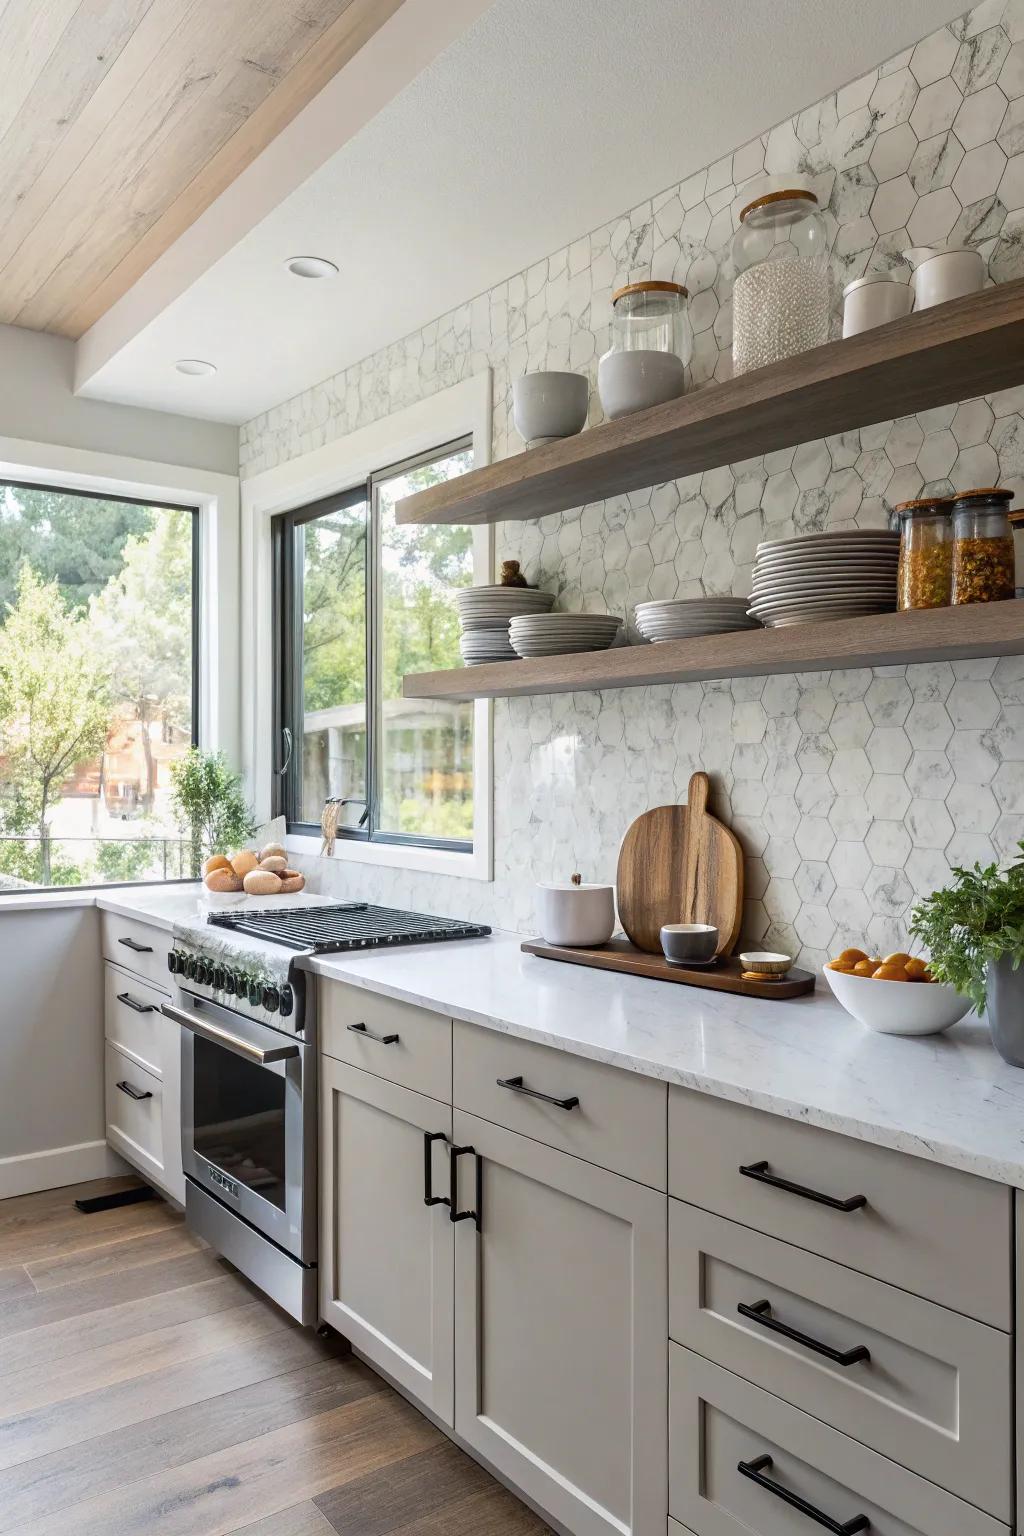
{"type": "Point", "coordinates": [147, 1389]}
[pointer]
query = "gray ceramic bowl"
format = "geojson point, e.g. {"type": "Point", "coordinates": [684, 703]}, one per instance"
{"type": "Point", "coordinates": [689, 943]}
{"type": "Point", "coordinates": [550, 405]}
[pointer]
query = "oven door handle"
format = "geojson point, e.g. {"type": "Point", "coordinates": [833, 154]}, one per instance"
{"type": "Point", "coordinates": [229, 1041]}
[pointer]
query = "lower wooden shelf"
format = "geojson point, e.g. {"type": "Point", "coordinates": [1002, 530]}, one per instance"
{"type": "Point", "coordinates": [881, 639]}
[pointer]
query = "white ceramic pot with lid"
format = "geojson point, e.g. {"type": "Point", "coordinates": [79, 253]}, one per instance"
{"type": "Point", "coordinates": [575, 914]}
{"type": "Point", "coordinates": [875, 300]}
{"type": "Point", "coordinates": [941, 275]}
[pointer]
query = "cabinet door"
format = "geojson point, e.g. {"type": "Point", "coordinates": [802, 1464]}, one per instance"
{"type": "Point", "coordinates": [386, 1257]}
{"type": "Point", "coordinates": [561, 1327]}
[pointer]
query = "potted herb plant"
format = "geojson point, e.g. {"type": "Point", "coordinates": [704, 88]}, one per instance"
{"type": "Point", "coordinates": [974, 931]}
{"type": "Point", "coordinates": [207, 797]}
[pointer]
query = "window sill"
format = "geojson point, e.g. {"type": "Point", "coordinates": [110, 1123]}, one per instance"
{"type": "Point", "coordinates": [425, 861]}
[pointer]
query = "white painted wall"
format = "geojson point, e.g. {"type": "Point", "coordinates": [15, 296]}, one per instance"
{"type": "Point", "coordinates": [37, 403]}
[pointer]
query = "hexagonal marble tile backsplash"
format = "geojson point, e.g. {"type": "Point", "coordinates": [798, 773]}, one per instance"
{"type": "Point", "coordinates": [853, 792]}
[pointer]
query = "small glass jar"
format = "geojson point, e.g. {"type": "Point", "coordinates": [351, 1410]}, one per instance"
{"type": "Point", "coordinates": [926, 553]}
{"type": "Point", "coordinates": [1017, 524]}
{"type": "Point", "coordinates": [651, 343]}
{"type": "Point", "coordinates": [780, 296]}
{"type": "Point", "coordinates": [983, 557]}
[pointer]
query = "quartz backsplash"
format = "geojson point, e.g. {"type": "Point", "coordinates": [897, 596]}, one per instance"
{"type": "Point", "coordinates": [853, 792]}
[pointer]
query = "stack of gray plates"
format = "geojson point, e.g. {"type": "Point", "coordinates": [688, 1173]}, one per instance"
{"type": "Point", "coordinates": [484, 613]}
{"type": "Point", "coordinates": [825, 576]}
{"type": "Point", "coordinates": [559, 634]}
{"type": "Point", "coordinates": [682, 618]}
{"type": "Point", "coordinates": [480, 645]}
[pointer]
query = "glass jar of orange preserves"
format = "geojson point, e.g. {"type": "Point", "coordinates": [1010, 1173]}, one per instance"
{"type": "Point", "coordinates": [983, 557]}
{"type": "Point", "coordinates": [926, 553]}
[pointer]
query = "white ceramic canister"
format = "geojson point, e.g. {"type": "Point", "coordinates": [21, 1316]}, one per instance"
{"type": "Point", "coordinates": [875, 300]}
{"type": "Point", "coordinates": [576, 914]}
{"type": "Point", "coordinates": [943, 275]}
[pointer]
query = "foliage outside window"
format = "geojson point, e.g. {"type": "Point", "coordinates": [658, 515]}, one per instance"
{"type": "Point", "coordinates": [96, 686]}
{"type": "Point", "coordinates": [362, 602]}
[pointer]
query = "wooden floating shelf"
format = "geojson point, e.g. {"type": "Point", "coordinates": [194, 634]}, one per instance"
{"type": "Point", "coordinates": [882, 639]}
{"type": "Point", "coordinates": [953, 352]}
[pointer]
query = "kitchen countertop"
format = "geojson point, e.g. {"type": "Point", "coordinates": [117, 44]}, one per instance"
{"type": "Point", "coordinates": [948, 1098]}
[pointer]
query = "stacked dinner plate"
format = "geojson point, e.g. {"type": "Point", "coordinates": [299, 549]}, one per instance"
{"type": "Point", "coordinates": [559, 634]}
{"type": "Point", "coordinates": [484, 613]}
{"type": "Point", "coordinates": [825, 576]}
{"type": "Point", "coordinates": [480, 645]}
{"type": "Point", "coordinates": [681, 618]}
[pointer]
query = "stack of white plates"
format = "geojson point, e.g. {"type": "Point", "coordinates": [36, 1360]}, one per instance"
{"type": "Point", "coordinates": [681, 618]}
{"type": "Point", "coordinates": [558, 634]}
{"type": "Point", "coordinates": [480, 645]}
{"type": "Point", "coordinates": [825, 576]}
{"type": "Point", "coordinates": [492, 607]}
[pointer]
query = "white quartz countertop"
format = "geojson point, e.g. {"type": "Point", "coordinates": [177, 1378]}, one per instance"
{"type": "Point", "coordinates": [948, 1098]}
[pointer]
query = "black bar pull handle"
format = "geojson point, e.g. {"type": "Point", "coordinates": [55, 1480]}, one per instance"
{"type": "Point", "coordinates": [133, 1093]}
{"type": "Point", "coordinates": [760, 1312]}
{"type": "Point", "coordinates": [516, 1085]}
{"type": "Point", "coordinates": [134, 1005]}
{"type": "Point", "coordinates": [454, 1214]}
{"type": "Point", "coordinates": [763, 1174]}
{"type": "Point", "coordinates": [429, 1198]}
{"type": "Point", "coordinates": [139, 949]}
{"type": "Point", "coordinates": [368, 1034]}
{"type": "Point", "coordinates": [756, 1469]}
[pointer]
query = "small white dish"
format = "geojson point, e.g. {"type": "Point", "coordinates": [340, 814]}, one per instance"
{"type": "Point", "coordinates": [898, 1007]}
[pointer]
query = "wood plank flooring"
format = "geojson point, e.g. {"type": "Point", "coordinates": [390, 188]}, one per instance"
{"type": "Point", "coordinates": [147, 1389]}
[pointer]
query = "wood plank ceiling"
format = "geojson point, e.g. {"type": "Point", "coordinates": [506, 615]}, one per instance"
{"type": "Point", "coordinates": [122, 120]}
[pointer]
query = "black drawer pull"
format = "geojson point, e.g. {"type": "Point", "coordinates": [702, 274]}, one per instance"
{"type": "Point", "coordinates": [454, 1214]}
{"type": "Point", "coordinates": [429, 1198]}
{"type": "Point", "coordinates": [515, 1084]}
{"type": "Point", "coordinates": [763, 1174]}
{"type": "Point", "coordinates": [139, 949]}
{"type": "Point", "coordinates": [133, 1093]}
{"type": "Point", "coordinates": [755, 1470]}
{"type": "Point", "coordinates": [136, 1007]}
{"type": "Point", "coordinates": [368, 1034]}
{"type": "Point", "coordinates": [760, 1312]}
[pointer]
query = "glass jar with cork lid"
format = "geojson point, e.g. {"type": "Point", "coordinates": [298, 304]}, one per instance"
{"type": "Point", "coordinates": [651, 343]}
{"type": "Point", "coordinates": [780, 296]}
{"type": "Point", "coordinates": [926, 552]}
{"type": "Point", "coordinates": [983, 555]}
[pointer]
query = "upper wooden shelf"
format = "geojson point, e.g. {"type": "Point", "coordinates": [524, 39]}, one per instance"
{"type": "Point", "coordinates": [969, 347]}
{"type": "Point", "coordinates": [882, 639]}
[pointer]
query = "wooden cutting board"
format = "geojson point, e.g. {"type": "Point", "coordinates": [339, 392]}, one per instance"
{"type": "Point", "coordinates": [677, 864]}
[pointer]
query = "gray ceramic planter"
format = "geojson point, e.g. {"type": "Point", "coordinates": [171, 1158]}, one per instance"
{"type": "Point", "coordinates": [1005, 988]}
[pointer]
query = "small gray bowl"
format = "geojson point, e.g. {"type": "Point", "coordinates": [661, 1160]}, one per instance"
{"type": "Point", "coordinates": [689, 943]}
{"type": "Point", "coordinates": [550, 405]}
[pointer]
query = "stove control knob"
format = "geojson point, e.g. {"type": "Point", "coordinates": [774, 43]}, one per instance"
{"type": "Point", "coordinates": [271, 999]}
{"type": "Point", "coordinates": [218, 978]}
{"type": "Point", "coordinates": [190, 967]}
{"type": "Point", "coordinates": [227, 984]}
{"type": "Point", "coordinates": [172, 961]}
{"type": "Point", "coordinates": [202, 972]}
{"type": "Point", "coordinates": [255, 994]}
{"type": "Point", "coordinates": [287, 1002]}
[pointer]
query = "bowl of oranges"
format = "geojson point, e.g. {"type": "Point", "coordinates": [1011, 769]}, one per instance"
{"type": "Point", "coordinates": [895, 995]}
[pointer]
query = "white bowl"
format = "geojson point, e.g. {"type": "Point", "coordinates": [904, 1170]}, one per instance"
{"type": "Point", "coordinates": [898, 1007]}
{"type": "Point", "coordinates": [549, 405]}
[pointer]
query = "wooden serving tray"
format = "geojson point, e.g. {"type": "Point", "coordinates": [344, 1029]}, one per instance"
{"type": "Point", "coordinates": [727, 976]}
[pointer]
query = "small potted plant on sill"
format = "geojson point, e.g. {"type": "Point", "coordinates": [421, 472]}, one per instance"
{"type": "Point", "coordinates": [207, 798]}
{"type": "Point", "coordinates": [974, 931]}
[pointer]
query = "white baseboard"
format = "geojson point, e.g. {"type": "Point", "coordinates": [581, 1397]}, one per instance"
{"type": "Point", "coordinates": [34, 1171]}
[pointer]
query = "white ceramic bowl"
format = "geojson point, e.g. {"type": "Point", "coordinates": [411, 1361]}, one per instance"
{"type": "Point", "coordinates": [581, 916]}
{"type": "Point", "coordinates": [550, 405]}
{"type": "Point", "coordinates": [898, 1007]}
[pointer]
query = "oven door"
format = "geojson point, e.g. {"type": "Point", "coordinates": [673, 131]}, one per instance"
{"type": "Point", "coordinates": [248, 1120]}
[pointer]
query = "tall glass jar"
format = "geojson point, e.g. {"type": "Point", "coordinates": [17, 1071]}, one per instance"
{"type": "Point", "coordinates": [1017, 524]}
{"type": "Point", "coordinates": [983, 557]}
{"type": "Point", "coordinates": [780, 296]}
{"type": "Point", "coordinates": [651, 343]}
{"type": "Point", "coordinates": [926, 553]}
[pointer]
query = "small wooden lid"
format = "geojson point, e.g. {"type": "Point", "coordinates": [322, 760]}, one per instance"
{"type": "Point", "coordinates": [651, 286]}
{"type": "Point", "coordinates": [984, 493]}
{"type": "Point", "coordinates": [1017, 518]}
{"type": "Point", "coordinates": [924, 504]}
{"type": "Point", "coordinates": [784, 196]}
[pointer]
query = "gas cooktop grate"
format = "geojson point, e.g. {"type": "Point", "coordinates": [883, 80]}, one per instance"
{"type": "Point", "coordinates": [331, 930]}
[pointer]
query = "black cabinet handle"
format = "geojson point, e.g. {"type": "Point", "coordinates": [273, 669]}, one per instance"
{"type": "Point", "coordinates": [429, 1198]}
{"type": "Point", "coordinates": [760, 1312]}
{"type": "Point", "coordinates": [755, 1471]}
{"type": "Point", "coordinates": [454, 1214]}
{"type": "Point", "coordinates": [368, 1034]}
{"type": "Point", "coordinates": [763, 1174]}
{"type": "Point", "coordinates": [133, 1093]}
{"type": "Point", "coordinates": [516, 1085]}
{"type": "Point", "coordinates": [139, 949]}
{"type": "Point", "coordinates": [136, 1007]}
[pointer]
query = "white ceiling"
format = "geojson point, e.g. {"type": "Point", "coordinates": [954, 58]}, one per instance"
{"type": "Point", "coordinates": [539, 122]}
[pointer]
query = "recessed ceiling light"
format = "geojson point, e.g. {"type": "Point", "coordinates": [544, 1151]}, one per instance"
{"type": "Point", "coordinates": [195, 367]}
{"type": "Point", "coordinates": [311, 266]}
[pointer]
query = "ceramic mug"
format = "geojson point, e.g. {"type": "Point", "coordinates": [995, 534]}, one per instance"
{"type": "Point", "coordinates": [689, 943]}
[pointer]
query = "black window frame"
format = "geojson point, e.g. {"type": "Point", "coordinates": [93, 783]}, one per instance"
{"type": "Point", "coordinates": [287, 657]}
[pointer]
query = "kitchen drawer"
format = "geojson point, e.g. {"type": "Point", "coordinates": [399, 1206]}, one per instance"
{"type": "Point", "coordinates": [928, 1229]}
{"type": "Point", "coordinates": [619, 1121]}
{"type": "Point", "coordinates": [133, 1021]}
{"type": "Point", "coordinates": [935, 1393]}
{"type": "Point", "coordinates": [138, 947]}
{"type": "Point", "coordinates": [397, 1041]}
{"type": "Point", "coordinates": [718, 1422]}
{"type": "Point", "coordinates": [134, 1124]}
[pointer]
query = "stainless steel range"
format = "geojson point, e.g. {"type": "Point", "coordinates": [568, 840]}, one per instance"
{"type": "Point", "coordinates": [249, 1079]}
